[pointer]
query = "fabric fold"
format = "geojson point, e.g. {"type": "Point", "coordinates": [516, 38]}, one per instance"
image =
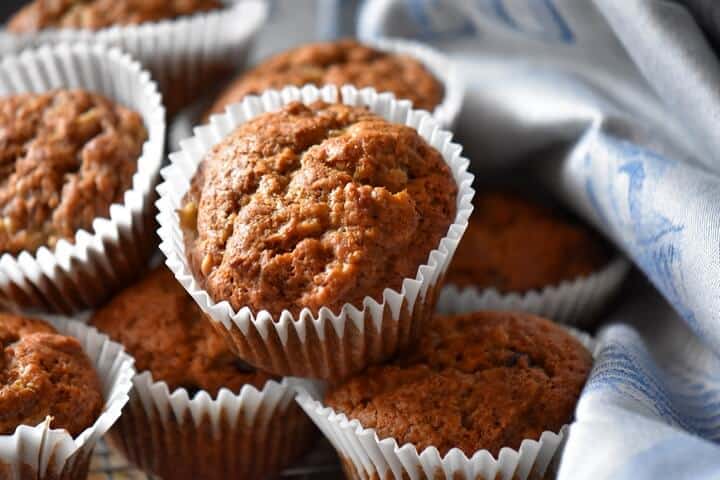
{"type": "Point", "coordinates": [613, 106]}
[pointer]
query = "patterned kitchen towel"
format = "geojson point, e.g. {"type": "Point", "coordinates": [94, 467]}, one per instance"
{"type": "Point", "coordinates": [614, 104]}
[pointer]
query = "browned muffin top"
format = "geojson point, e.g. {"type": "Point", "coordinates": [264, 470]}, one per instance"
{"type": "Point", "coordinates": [315, 206]}
{"type": "Point", "coordinates": [514, 245]}
{"type": "Point", "coordinates": [65, 157]}
{"type": "Point", "coordinates": [484, 380]}
{"type": "Point", "coordinates": [97, 14]}
{"type": "Point", "coordinates": [339, 63]}
{"type": "Point", "coordinates": [163, 328]}
{"type": "Point", "coordinates": [43, 373]}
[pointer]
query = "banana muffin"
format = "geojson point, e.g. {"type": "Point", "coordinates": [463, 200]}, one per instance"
{"type": "Point", "coordinates": [97, 14]}
{"type": "Point", "coordinates": [163, 328]}
{"type": "Point", "coordinates": [66, 156]}
{"type": "Point", "coordinates": [339, 63]}
{"type": "Point", "coordinates": [167, 333]}
{"type": "Point", "coordinates": [315, 206]}
{"type": "Point", "coordinates": [513, 244]}
{"type": "Point", "coordinates": [485, 380]}
{"type": "Point", "coordinates": [44, 374]}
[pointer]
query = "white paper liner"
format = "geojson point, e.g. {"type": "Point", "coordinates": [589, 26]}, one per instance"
{"type": "Point", "coordinates": [439, 65]}
{"type": "Point", "coordinates": [182, 54]}
{"type": "Point", "coordinates": [327, 346]}
{"type": "Point", "coordinates": [251, 434]}
{"type": "Point", "coordinates": [83, 273]}
{"type": "Point", "coordinates": [575, 302]}
{"type": "Point", "coordinates": [39, 452]}
{"type": "Point", "coordinates": [365, 456]}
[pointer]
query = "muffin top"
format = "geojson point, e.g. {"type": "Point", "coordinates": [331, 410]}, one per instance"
{"type": "Point", "coordinates": [339, 63]}
{"type": "Point", "coordinates": [65, 157]}
{"type": "Point", "coordinates": [484, 380]}
{"type": "Point", "coordinates": [515, 245]}
{"type": "Point", "coordinates": [96, 14]}
{"type": "Point", "coordinates": [163, 328]}
{"type": "Point", "coordinates": [315, 206]}
{"type": "Point", "coordinates": [43, 373]}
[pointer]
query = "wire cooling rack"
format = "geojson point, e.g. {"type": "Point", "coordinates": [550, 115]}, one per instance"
{"type": "Point", "coordinates": [320, 464]}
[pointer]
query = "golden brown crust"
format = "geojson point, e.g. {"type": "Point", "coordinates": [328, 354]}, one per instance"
{"type": "Point", "coordinates": [315, 206]}
{"type": "Point", "coordinates": [66, 156]}
{"type": "Point", "coordinates": [515, 245]}
{"type": "Point", "coordinates": [484, 380]}
{"type": "Point", "coordinates": [163, 328]}
{"type": "Point", "coordinates": [97, 14]}
{"type": "Point", "coordinates": [339, 63]}
{"type": "Point", "coordinates": [45, 374]}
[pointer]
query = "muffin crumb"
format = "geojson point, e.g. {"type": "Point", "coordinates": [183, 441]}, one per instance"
{"type": "Point", "coordinates": [45, 374]}
{"type": "Point", "coordinates": [513, 244]}
{"type": "Point", "coordinates": [338, 63]}
{"type": "Point", "coordinates": [97, 14]}
{"type": "Point", "coordinates": [66, 156]}
{"type": "Point", "coordinates": [315, 206]}
{"type": "Point", "coordinates": [484, 380]}
{"type": "Point", "coordinates": [163, 328]}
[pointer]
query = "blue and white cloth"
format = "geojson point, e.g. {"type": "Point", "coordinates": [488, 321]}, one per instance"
{"type": "Point", "coordinates": [615, 105]}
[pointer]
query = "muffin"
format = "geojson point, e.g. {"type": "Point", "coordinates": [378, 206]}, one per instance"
{"type": "Point", "coordinates": [44, 374]}
{"type": "Point", "coordinates": [97, 14]}
{"type": "Point", "coordinates": [185, 44]}
{"type": "Point", "coordinates": [316, 229]}
{"type": "Point", "coordinates": [67, 155]}
{"type": "Point", "coordinates": [485, 380]}
{"type": "Point", "coordinates": [166, 332]}
{"type": "Point", "coordinates": [515, 245]}
{"type": "Point", "coordinates": [232, 416]}
{"type": "Point", "coordinates": [315, 206]}
{"type": "Point", "coordinates": [339, 63]}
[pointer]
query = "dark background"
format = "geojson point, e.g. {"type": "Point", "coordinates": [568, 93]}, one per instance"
{"type": "Point", "coordinates": [8, 7]}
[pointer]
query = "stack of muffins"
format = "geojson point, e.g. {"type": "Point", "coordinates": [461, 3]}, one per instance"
{"type": "Point", "coordinates": [309, 232]}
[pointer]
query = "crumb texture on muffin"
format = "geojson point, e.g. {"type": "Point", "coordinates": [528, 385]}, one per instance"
{"type": "Point", "coordinates": [315, 206]}
{"type": "Point", "coordinates": [163, 328]}
{"type": "Point", "coordinates": [43, 373]}
{"type": "Point", "coordinates": [65, 157]}
{"type": "Point", "coordinates": [484, 380]}
{"type": "Point", "coordinates": [97, 14]}
{"type": "Point", "coordinates": [339, 63]}
{"type": "Point", "coordinates": [513, 244]}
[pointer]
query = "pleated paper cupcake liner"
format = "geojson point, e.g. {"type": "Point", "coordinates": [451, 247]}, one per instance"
{"type": "Point", "coordinates": [439, 65]}
{"type": "Point", "coordinates": [326, 345]}
{"type": "Point", "coordinates": [576, 302]}
{"type": "Point", "coordinates": [83, 273]}
{"type": "Point", "coordinates": [41, 453]}
{"type": "Point", "coordinates": [251, 434]}
{"type": "Point", "coordinates": [365, 456]}
{"type": "Point", "coordinates": [182, 54]}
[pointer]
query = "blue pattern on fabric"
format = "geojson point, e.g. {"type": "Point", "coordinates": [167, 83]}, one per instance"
{"type": "Point", "coordinates": [656, 240]}
{"type": "Point", "coordinates": [549, 24]}
{"type": "Point", "coordinates": [651, 408]}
